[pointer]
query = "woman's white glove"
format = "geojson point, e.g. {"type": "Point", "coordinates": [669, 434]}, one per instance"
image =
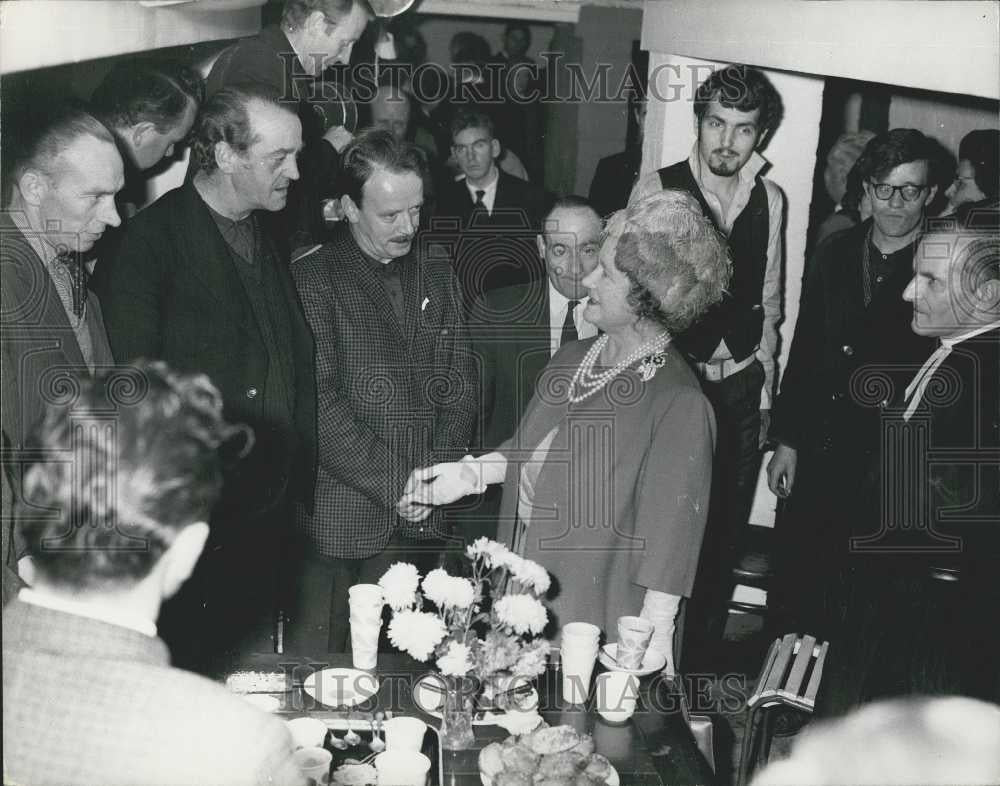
{"type": "Point", "coordinates": [661, 609]}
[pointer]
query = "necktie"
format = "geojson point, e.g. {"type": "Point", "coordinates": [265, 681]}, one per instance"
{"type": "Point", "coordinates": [78, 276]}
{"type": "Point", "coordinates": [569, 325]}
{"type": "Point", "coordinates": [480, 206]}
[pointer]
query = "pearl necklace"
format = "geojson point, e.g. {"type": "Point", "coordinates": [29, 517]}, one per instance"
{"type": "Point", "coordinates": [590, 383]}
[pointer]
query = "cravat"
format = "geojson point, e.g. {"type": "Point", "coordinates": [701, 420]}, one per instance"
{"type": "Point", "coordinates": [78, 276]}
{"type": "Point", "coordinates": [569, 325]}
{"type": "Point", "coordinates": [915, 390]}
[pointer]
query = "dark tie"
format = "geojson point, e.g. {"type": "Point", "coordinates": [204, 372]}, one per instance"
{"type": "Point", "coordinates": [78, 275]}
{"type": "Point", "coordinates": [480, 206]}
{"type": "Point", "coordinates": [569, 326]}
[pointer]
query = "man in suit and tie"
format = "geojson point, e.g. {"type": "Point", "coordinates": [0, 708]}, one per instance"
{"type": "Point", "coordinates": [114, 515]}
{"type": "Point", "coordinates": [516, 329]}
{"type": "Point", "coordinates": [198, 282]}
{"type": "Point", "coordinates": [64, 173]}
{"type": "Point", "coordinates": [396, 387]}
{"type": "Point", "coordinates": [497, 214]}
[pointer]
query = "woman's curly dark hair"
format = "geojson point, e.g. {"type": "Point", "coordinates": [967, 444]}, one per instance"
{"type": "Point", "coordinates": [676, 260]}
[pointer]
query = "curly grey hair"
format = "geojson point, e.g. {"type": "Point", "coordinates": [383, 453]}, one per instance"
{"type": "Point", "coordinates": [676, 260]}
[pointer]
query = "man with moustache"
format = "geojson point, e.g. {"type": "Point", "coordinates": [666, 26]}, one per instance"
{"type": "Point", "coordinates": [516, 329]}
{"type": "Point", "coordinates": [396, 387]}
{"type": "Point", "coordinates": [732, 347]}
{"type": "Point", "coordinates": [852, 344]}
{"type": "Point", "coordinates": [197, 283]}
{"type": "Point", "coordinates": [64, 173]}
{"type": "Point", "coordinates": [290, 59]}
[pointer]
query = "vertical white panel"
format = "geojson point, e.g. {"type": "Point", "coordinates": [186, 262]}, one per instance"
{"type": "Point", "coordinates": [670, 134]}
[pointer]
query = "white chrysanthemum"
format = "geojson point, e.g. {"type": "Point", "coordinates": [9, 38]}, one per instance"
{"type": "Point", "coordinates": [399, 584]}
{"type": "Point", "coordinates": [533, 659]}
{"type": "Point", "coordinates": [457, 661]}
{"type": "Point", "coordinates": [523, 613]}
{"type": "Point", "coordinates": [448, 591]}
{"type": "Point", "coordinates": [531, 575]}
{"type": "Point", "coordinates": [416, 632]}
{"type": "Point", "coordinates": [488, 550]}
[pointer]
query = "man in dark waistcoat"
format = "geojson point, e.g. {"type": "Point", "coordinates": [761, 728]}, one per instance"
{"type": "Point", "coordinates": [732, 347]}
{"type": "Point", "coordinates": [852, 346]}
{"type": "Point", "coordinates": [197, 283]}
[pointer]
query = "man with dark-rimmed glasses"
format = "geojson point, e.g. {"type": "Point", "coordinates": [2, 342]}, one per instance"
{"type": "Point", "coordinates": [852, 340]}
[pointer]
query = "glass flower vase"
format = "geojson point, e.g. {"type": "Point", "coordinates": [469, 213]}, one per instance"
{"type": "Point", "coordinates": [456, 714]}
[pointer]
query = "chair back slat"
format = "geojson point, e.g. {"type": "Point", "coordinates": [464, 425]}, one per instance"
{"type": "Point", "coordinates": [813, 688]}
{"type": "Point", "coordinates": [793, 685]}
{"type": "Point", "coordinates": [772, 653]}
{"type": "Point", "coordinates": [780, 667]}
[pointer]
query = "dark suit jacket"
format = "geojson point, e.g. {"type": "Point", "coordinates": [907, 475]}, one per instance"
{"type": "Point", "coordinates": [87, 702]}
{"type": "Point", "coordinates": [497, 250]}
{"type": "Point", "coordinates": [390, 397]}
{"type": "Point", "coordinates": [510, 334]}
{"type": "Point", "coordinates": [173, 293]}
{"type": "Point", "coordinates": [961, 407]}
{"type": "Point", "coordinates": [824, 404]}
{"type": "Point", "coordinates": [613, 181]}
{"type": "Point", "coordinates": [39, 357]}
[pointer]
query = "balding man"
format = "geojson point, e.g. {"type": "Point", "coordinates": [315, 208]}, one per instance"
{"type": "Point", "coordinates": [920, 579]}
{"type": "Point", "coordinates": [60, 200]}
{"type": "Point", "coordinates": [517, 329]}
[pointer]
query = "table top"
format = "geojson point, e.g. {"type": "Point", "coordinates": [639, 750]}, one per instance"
{"type": "Point", "coordinates": [654, 748]}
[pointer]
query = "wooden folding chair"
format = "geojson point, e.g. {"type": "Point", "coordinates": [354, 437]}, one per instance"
{"type": "Point", "coordinates": [791, 676]}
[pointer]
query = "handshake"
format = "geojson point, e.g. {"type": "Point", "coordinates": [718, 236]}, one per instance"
{"type": "Point", "coordinates": [440, 484]}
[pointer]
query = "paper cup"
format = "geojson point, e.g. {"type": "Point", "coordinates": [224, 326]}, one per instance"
{"type": "Point", "coordinates": [370, 594]}
{"type": "Point", "coordinates": [365, 602]}
{"type": "Point", "coordinates": [364, 642]}
{"type": "Point", "coordinates": [577, 669]}
{"type": "Point", "coordinates": [307, 732]}
{"type": "Point", "coordinates": [616, 693]}
{"type": "Point", "coordinates": [404, 734]}
{"type": "Point", "coordinates": [634, 634]}
{"type": "Point", "coordinates": [402, 768]}
{"type": "Point", "coordinates": [314, 763]}
{"type": "Point", "coordinates": [579, 632]}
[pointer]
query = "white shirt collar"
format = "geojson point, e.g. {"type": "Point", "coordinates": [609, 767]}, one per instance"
{"type": "Point", "coordinates": [89, 609]}
{"type": "Point", "coordinates": [952, 341]}
{"type": "Point", "coordinates": [489, 190]}
{"type": "Point", "coordinates": [915, 390]}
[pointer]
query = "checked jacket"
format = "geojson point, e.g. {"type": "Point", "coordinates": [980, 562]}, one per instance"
{"type": "Point", "coordinates": [390, 397]}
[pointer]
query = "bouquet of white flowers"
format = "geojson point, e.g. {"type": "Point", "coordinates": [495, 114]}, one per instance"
{"type": "Point", "coordinates": [500, 600]}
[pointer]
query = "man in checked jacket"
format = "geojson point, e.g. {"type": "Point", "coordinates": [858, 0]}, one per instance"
{"type": "Point", "coordinates": [395, 382]}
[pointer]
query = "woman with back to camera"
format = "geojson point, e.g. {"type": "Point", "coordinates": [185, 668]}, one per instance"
{"type": "Point", "coordinates": [606, 482]}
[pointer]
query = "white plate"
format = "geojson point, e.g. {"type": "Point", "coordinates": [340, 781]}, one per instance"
{"type": "Point", "coordinates": [429, 700]}
{"type": "Point", "coordinates": [611, 780]}
{"type": "Point", "coordinates": [341, 687]}
{"type": "Point", "coordinates": [652, 662]}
